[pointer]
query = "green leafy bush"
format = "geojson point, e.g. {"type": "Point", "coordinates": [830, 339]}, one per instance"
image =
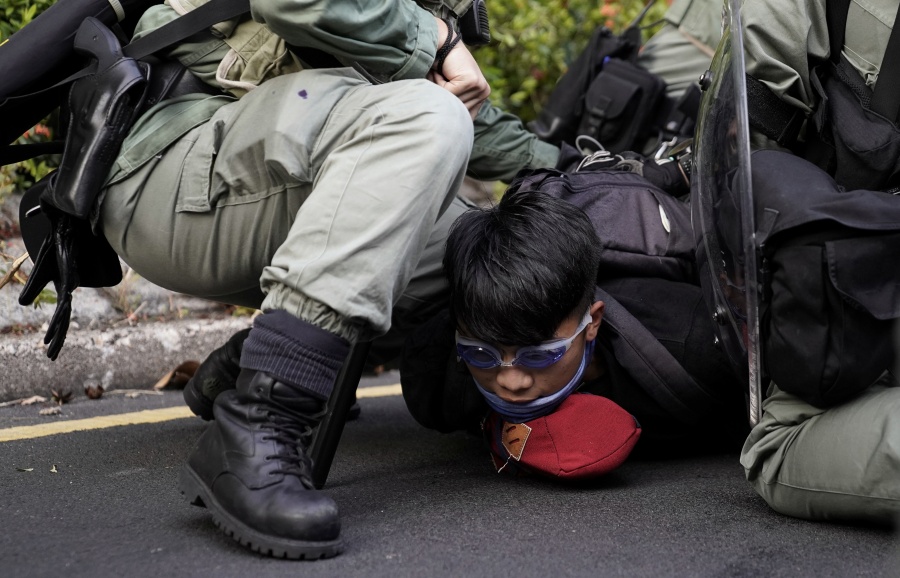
{"type": "Point", "coordinates": [18, 13]}
{"type": "Point", "coordinates": [534, 41]}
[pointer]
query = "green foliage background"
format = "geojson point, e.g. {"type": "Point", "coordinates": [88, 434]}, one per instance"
{"type": "Point", "coordinates": [18, 13]}
{"type": "Point", "coordinates": [533, 43]}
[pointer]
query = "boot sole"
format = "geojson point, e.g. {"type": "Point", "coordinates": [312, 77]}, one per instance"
{"type": "Point", "coordinates": [196, 493]}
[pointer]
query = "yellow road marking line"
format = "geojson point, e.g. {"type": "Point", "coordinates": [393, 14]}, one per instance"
{"type": "Point", "coordinates": [139, 417]}
{"type": "Point", "coordinates": [100, 422]}
{"type": "Point", "coordinates": [378, 391]}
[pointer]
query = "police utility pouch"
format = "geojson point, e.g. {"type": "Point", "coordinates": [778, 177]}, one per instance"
{"type": "Point", "coordinates": [620, 105]}
{"type": "Point", "coordinates": [828, 331]}
{"type": "Point", "coordinates": [852, 142]}
{"type": "Point", "coordinates": [830, 279]}
{"type": "Point", "coordinates": [558, 120]}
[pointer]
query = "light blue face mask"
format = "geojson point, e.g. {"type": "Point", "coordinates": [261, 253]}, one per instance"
{"type": "Point", "coordinates": [529, 410]}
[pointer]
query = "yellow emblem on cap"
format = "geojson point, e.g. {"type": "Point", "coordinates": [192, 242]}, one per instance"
{"type": "Point", "coordinates": [514, 437]}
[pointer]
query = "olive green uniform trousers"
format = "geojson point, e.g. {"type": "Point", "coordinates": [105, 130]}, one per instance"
{"type": "Point", "coordinates": [318, 193]}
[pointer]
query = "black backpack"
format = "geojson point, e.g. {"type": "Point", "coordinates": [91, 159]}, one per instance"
{"type": "Point", "coordinates": [606, 96]}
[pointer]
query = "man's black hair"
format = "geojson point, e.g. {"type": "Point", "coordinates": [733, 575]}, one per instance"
{"type": "Point", "coordinates": [519, 269]}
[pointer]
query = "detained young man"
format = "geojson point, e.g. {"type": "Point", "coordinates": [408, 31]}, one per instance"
{"type": "Point", "coordinates": [535, 366]}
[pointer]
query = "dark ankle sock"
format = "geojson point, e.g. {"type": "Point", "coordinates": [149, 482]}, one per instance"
{"type": "Point", "coordinates": [295, 352]}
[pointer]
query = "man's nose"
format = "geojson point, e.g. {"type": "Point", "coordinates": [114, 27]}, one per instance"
{"type": "Point", "coordinates": [513, 379]}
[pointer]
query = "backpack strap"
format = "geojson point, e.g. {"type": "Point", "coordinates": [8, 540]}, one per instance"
{"type": "Point", "coordinates": [652, 366]}
{"type": "Point", "coordinates": [836, 15]}
{"type": "Point", "coordinates": [772, 116]}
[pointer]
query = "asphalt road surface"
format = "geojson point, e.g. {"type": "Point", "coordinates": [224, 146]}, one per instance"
{"type": "Point", "coordinates": [103, 501]}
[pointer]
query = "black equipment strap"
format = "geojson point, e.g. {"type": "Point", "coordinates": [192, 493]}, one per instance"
{"type": "Point", "coordinates": [661, 376]}
{"type": "Point", "coordinates": [12, 154]}
{"type": "Point", "coordinates": [781, 122]}
{"type": "Point", "coordinates": [770, 115]}
{"type": "Point", "coordinates": [184, 26]}
{"type": "Point", "coordinates": [836, 15]}
{"type": "Point", "coordinates": [885, 99]}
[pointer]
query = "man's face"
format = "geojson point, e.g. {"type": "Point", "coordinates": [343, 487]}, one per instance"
{"type": "Point", "coordinates": [519, 384]}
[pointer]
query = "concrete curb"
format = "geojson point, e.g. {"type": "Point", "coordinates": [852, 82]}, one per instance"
{"type": "Point", "coordinates": [123, 358]}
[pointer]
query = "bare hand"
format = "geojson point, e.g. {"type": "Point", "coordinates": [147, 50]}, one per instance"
{"type": "Point", "coordinates": [461, 75]}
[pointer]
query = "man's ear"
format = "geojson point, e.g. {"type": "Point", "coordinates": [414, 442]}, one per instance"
{"type": "Point", "coordinates": [593, 327]}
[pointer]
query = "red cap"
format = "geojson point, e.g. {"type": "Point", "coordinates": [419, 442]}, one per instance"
{"type": "Point", "coordinates": [587, 436]}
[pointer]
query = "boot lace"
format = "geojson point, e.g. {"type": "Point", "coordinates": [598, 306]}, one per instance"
{"type": "Point", "coordinates": [293, 432]}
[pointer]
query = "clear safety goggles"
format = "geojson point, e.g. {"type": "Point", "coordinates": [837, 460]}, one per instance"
{"type": "Point", "coordinates": [483, 355]}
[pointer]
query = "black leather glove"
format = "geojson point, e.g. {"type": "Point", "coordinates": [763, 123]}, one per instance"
{"type": "Point", "coordinates": [668, 176]}
{"type": "Point", "coordinates": [57, 262]}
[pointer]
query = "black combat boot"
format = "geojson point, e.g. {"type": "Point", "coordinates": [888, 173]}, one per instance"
{"type": "Point", "coordinates": [217, 373]}
{"type": "Point", "coordinates": [251, 470]}
{"type": "Point", "coordinates": [251, 466]}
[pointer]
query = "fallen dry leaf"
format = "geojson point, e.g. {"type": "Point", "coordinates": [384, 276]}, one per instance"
{"type": "Point", "coordinates": [24, 401]}
{"type": "Point", "coordinates": [50, 411]}
{"type": "Point", "coordinates": [178, 377]}
{"type": "Point", "coordinates": [164, 381]}
{"type": "Point", "coordinates": [13, 270]}
{"type": "Point", "coordinates": [62, 396]}
{"type": "Point", "coordinates": [93, 391]}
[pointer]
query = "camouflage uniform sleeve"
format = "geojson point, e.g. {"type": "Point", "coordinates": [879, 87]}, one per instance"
{"type": "Point", "coordinates": [702, 19]}
{"type": "Point", "coordinates": [503, 146]}
{"type": "Point", "coordinates": [393, 39]}
{"type": "Point", "coordinates": [778, 51]}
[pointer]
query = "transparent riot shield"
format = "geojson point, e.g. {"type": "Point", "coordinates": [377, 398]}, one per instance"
{"type": "Point", "coordinates": [722, 208]}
